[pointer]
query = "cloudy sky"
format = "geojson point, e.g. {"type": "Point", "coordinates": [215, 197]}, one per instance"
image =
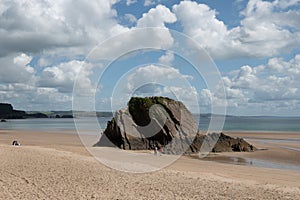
{"type": "Point", "coordinates": [46, 46]}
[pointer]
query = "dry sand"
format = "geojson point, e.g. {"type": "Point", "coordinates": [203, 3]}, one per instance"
{"type": "Point", "coordinates": [57, 166]}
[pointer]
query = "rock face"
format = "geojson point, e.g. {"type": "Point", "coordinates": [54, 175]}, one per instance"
{"type": "Point", "coordinates": [219, 142]}
{"type": "Point", "coordinates": [149, 122]}
{"type": "Point", "coordinates": [162, 122]}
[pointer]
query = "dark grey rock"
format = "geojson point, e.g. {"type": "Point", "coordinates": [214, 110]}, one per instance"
{"type": "Point", "coordinates": [162, 122]}
{"type": "Point", "coordinates": [149, 122]}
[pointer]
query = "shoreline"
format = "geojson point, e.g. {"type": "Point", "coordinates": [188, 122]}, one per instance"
{"type": "Point", "coordinates": [277, 149]}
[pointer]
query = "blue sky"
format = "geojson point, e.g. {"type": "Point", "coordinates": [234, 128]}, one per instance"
{"type": "Point", "coordinates": [47, 46]}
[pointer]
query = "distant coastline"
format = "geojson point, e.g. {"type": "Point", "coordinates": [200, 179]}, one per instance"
{"type": "Point", "coordinates": [231, 123]}
{"type": "Point", "coordinates": [8, 112]}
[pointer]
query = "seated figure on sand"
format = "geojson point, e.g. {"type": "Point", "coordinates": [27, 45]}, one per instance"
{"type": "Point", "coordinates": [16, 143]}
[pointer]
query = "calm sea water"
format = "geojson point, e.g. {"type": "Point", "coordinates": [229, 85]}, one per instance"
{"type": "Point", "coordinates": [232, 123]}
{"type": "Point", "coordinates": [53, 124]}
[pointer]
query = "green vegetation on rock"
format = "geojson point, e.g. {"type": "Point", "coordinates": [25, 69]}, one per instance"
{"type": "Point", "coordinates": [138, 106]}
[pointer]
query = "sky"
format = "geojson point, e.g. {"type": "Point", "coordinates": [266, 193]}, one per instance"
{"type": "Point", "coordinates": [239, 55]}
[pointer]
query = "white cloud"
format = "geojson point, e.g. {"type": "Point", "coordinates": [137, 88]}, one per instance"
{"type": "Point", "coordinates": [150, 32]}
{"type": "Point", "coordinates": [149, 2]}
{"type": "Point", "coordinates": [35, 26]}
{"type": "Point", "coordinates": [49, 95]}
{"type": "Point", "coordinates": [246, 78]}
{"type": "Point", "coordinates": [286, 3]}
{"type": "Point", "coordinates": [129, 2]}
{"type": "Point", "coordinates": [157, 17]}
{"type": "Point", "coordinates": [64, 75]}
{"type": "Point", "coordinates": [167, 58]}
{"type": "Point", "coordinates": [274, 86]}
{"type": "Point", "coordinates": [30, 97]}
{"type": "Point", "coordinates": [280, 83]}
{"type": "Point", "coordinates": [134, 40]}
{"type": "Point", "coordinates": [266, 29]}
{"type": "Point", "coordinates": [130, 18]}
{"type": "Point", "coordinates": [205, 97]}
{"type": "Point", "coordinates": [154, 80]}
{"type": "Point", "coordinates": [200, 22]}
{"type": "Point", "coordinates": [208, 99]}
{"type": "Point", "coordinates": [16, 69]}
{"type": "Point", "coordinates": [22, 86]}
{"type": "Point", "coordinates": [156, 75]}
{"type": "Point", "coordinates": [186, 94]}
{"type": "Point", "coordinates": [22, 61]}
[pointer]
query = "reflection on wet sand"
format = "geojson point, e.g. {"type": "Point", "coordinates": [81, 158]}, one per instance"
{"type": "Point", "coordinates": [250, 162]}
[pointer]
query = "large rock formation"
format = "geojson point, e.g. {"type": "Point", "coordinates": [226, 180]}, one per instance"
{"type": "Point", "coordinates": [149, 122]}
{"type": "Point", "coordinates": [162, 122]}
{"type": "Point", "coordinates": [219, 142]}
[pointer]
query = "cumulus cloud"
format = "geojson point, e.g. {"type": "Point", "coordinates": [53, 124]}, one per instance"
{"type": "Point", "coordinates": [16, 69]}
{"type": "Point", "coordinates": [267, 29]}
{"type": "Point", "coordinates": [155, 80]}
{"type": "Point", "coordinates": [186, 94]}
{"type": "Point", "coordinates": [48, 95]}
{"type": "Point", "coordinates": [207, 99]}
{"type": "Point", "coordinates": [156, 75]}
{"type": "Point", "coordinates": [200, 22]}
{"type": "Point", "coordinates": [64, 75]}
{"type": "Point", "coordinates": [157, 17]}
{"type": "Point", "coordinates": [274, 85]}
{"type": "Point", "coordinates": [286, 4]}
{"type": "Point", "coordinates": [167, 58]}
{"type": "Point", "coordinates": [26, 88]}
{"type": "Point", "coordinates": [33, 26]}
{"type": "Point", "coordinates": [150, 32]}
{"type": "Point", "coordinates": [163, 81]}
{"type": "Point", "coordinates": [30, 97]}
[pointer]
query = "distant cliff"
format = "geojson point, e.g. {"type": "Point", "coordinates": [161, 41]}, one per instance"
{"type": "Point", "coordinates": [7, 112]}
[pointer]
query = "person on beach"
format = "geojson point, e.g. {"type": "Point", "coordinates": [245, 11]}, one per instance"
{"type": "Point", "coordinates": [155, 150]}
{"type": "Point", "coordinates": [16, 143]}
{"type": "Point", "coordinates": [251, 147]}
{"type": "Point", "coordinates": [160, 150]}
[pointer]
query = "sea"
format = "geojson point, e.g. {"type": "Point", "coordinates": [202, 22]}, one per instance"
{"type": "Point", "coordinates": [231, 123]}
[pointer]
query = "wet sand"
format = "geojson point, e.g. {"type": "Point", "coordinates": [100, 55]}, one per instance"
{"type": "Point", "coordinates": [57, 166]}
{"type": "Point", "coordinates": [276, 147]}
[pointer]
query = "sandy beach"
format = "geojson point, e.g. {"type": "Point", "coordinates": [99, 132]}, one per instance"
{"type": "Point", "coordinates": [52, 165]}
